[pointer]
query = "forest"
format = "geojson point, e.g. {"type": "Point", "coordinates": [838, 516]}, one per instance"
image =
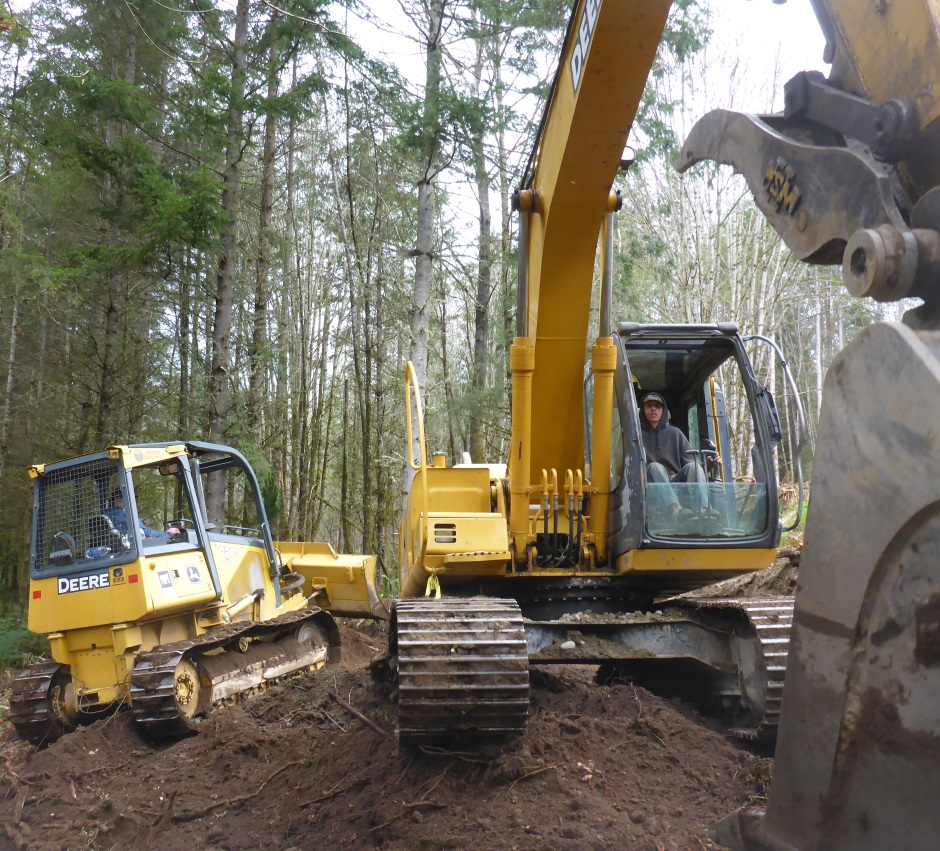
{"type": "Point", "coordinates": [237, 221]}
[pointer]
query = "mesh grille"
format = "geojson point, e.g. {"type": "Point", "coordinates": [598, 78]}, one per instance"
{"type": "Point", "coordinates": [68, 498]}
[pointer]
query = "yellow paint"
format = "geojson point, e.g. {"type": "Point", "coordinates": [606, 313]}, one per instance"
{"type": "Point", "coordinates": [576, 163]}
{"type": "Point", "coordinates": [139, 456]}
{"type": "Point", "coordinates": [730, 561]}
{"type": "Point", "coordinates": [347, 584]}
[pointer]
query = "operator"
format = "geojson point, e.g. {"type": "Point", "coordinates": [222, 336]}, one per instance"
{"type": "Point", "coordinates": [115, 513]}
{"type": "Point", "coordinates": [670, 457]}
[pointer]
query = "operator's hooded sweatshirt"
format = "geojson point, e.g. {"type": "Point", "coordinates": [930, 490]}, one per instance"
{"type": "Point", "coordinates": [665, 443]}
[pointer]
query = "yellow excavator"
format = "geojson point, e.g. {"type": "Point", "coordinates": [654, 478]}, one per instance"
{"type": "Point", "coordinates": [566, 553]}
{"type": "Point", "coordinates": [171, 622]}
{"type": "Point", "coordinates": [850, 173]}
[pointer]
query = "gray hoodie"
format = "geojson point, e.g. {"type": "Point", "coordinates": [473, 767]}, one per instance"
{"type": "Point", "coordinates": [665, 443]}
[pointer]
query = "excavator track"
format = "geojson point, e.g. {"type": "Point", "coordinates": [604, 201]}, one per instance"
{"type": "Point", "coordinates": [462, 668]}
{"type": "Point", "coordinates": [174, 685]}
{"type": "Point", "coordinates": [34, 705]}
{"type": "Point", "coordinates": [744, 641]}
{"type": "Point", "coordinates": [771, 619]}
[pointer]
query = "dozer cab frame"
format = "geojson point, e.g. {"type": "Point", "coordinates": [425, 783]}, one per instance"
{"type": "Point", "coordinates": [170, 624]}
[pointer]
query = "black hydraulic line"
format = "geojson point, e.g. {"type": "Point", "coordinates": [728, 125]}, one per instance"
{"type": "Point", "coordinates": [555, 526]}
{"type": "Point", "coordinates": [547, 557]}
{"type": "Point", "coordinates": [580, 521]}
{"type": "Point", "coordinates": [570, 544]}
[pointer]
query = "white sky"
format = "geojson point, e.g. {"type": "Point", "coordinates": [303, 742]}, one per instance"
{"type": "Point", "coordinates": [768, 42]}
{"type": "Point", "coordinates": [761, 32]}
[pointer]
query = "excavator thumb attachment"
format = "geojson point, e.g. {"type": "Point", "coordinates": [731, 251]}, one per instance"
{"type": "Point", "coordinates": [858, 749]}
{"type": "Point", "coordinates": [816, 197]}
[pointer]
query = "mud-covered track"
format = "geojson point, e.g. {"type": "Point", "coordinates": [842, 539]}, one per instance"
{"type": "Point", "coordinates": [462, 669]}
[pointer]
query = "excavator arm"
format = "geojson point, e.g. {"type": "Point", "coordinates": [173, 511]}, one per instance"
{"type": "Point", "coordinates": [849, 173]}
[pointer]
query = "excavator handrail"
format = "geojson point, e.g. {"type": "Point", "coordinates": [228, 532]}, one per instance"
{"type": "Point", "coordinates": [412, 387]}
{"type": "Point", "coordinates": [798, 429]}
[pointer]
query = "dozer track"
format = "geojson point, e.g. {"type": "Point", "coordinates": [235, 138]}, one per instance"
{"type": "Point", "coordinates": [462, 668]}
{"type": "Point", "coordinates": [34, 702]}
{"type": "Point", "coordinates": [175, 684]}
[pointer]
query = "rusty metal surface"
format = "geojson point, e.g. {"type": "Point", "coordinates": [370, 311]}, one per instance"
{"type": "Point", "coordinates": [858, 751]}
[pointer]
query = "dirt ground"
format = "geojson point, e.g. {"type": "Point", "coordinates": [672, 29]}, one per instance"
{"type": "Point", "coordinates": [599, 767]}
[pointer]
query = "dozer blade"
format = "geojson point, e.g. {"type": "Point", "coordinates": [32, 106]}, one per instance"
{"type": "Point", "coordinates": [342, 583]}
{"type": "Point", "coordinates": [858, 752]}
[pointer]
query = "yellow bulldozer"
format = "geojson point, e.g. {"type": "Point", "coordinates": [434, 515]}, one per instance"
{"type": "Point", "coordinates": [171, 622]}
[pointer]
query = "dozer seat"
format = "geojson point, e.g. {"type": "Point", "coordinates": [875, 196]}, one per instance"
{"type": "Point", "coordinates": [101, 533]}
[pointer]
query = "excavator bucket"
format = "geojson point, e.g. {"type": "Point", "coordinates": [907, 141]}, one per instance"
{"type": "Point", "coordinates": [344, 584]}
{"type": "Point", "coordinates": [858, 751]}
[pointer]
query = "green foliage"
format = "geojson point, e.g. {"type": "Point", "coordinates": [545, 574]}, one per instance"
{"type": "Point", "coordinates": [19, 646]}
{"type": "Point", "coordinates": [687, 31]}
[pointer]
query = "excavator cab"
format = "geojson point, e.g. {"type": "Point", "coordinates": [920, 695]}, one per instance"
{"type": "Point", "coordinates": [726, 494]}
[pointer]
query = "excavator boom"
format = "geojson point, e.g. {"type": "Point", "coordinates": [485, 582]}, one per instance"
{"type": "Point", "coordinates": [574, 163]}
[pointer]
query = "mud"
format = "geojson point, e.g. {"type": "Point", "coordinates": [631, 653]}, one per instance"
{"type": "Point", "coordinates": [599, 767]}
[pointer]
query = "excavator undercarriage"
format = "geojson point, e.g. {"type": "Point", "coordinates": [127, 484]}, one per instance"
{"type": "Point", "coordinates": [462, 663]}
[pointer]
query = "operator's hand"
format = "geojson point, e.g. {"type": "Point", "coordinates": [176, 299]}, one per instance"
{"type": "Point", "coordinates": [173, 530]}
{"type": "Point", "coordinates": [713, 460]}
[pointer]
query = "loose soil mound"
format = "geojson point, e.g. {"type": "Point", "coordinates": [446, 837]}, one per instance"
{"type": "Point", "coordinates": [599, 767]}
{"type": "Point", "coordinates": [778, 580]}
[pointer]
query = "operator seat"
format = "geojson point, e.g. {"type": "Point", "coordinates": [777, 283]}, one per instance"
{"type": "Point", "coordinates": [101, 533]}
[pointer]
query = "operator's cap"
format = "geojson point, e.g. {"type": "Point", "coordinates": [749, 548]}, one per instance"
{"type": "Point", "coordinates": [654, 397]}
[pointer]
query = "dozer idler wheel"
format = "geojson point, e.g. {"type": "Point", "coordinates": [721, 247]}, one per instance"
{"type": "Point", "coordinates": [187, 689]}
{"type": "Point", "coordinates": [41, 706]}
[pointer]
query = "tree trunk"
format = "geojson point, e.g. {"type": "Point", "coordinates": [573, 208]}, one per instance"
{"type": "Point", "coordinates": [10, 379]}
{"type": "Point", "coordinates": [344, 475]}
{"type": "Point", "coordinates": [219, 389]}
{"type": "Point", "coordinates": [259, 335]}
{"type": "Point", "coordinates": [424, 240]}
{"type": "Point", "coordinates": [484, 282]}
